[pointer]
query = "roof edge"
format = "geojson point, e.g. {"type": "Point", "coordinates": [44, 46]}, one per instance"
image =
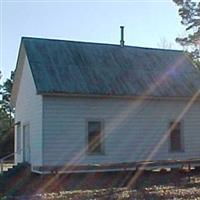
{"type": "Point", "coordinates": [116, 96]}
{"type": "Point", "coordinates": [98, 43]}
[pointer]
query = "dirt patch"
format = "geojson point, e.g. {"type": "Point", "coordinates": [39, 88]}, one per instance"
{"type": "Point", "coordinates": [121, 185]}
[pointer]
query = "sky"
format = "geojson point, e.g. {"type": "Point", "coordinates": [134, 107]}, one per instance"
{"type": "Point", "coordinates": [147, 23]}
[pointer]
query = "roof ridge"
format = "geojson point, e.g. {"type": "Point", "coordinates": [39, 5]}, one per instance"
{"type": "Point", "coordinates": [97, 43]}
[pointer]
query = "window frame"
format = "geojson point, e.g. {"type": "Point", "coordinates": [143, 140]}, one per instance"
{"type": "Point", "coordinates": [182, 149]}
{"type": "Point", "coordinates": [102, 152]}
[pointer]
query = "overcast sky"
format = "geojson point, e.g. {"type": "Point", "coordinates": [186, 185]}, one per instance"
{"type": "Point", "coordinates": [146, 22]}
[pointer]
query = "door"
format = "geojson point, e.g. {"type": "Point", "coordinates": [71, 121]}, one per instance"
{"type": "Point", "coordinates": [26, 143]}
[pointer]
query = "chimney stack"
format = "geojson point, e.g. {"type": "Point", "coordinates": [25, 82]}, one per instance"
{"type": "Point", "coordinates": [122, 36]}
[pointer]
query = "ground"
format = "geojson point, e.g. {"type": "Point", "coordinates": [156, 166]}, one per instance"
{"type": "Point", "coordinates": [122, 185]}
{"type": "Point", "coordinates": [154, 193]}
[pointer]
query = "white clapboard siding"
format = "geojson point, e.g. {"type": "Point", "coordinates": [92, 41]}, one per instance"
{"type": "Point", "coordinates": [29, 111]}
{"type": "Point", "coordinates": [132, 129]}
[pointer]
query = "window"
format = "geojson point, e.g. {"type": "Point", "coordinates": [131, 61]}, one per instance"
{"type": "Point", "coordinates": [175, 137]}
{"type": "Point", "coordinates": [95, 137]}
{"type": "Point", "coordinates": [18, 138]}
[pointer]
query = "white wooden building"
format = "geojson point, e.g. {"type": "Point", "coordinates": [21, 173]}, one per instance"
{"type": "Point", "coordinates": [86, 106]}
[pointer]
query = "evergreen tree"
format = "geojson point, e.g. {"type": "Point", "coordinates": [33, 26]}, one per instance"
{"type": "Point", "coordinates": [6, 93]}
{"type": "Point", "coordinates": [189, 10]}
{"type": "Point", "coordinates": [6, 119]}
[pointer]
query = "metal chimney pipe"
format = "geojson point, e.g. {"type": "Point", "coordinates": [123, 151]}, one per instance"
{"type": "Point", "coordinates": [122, 36]}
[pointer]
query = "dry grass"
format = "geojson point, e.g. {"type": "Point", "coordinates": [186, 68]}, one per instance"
{"type": "Point", "coordinates": [151, 185]}
{"type": "Point", "coordinates": [154, 193]}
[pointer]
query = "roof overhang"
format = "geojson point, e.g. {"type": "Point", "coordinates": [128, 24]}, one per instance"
{"type": "Point", "coordinates": [121, 96]}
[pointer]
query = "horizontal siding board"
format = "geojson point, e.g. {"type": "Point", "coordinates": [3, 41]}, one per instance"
{"type": "Point", "coordinates": [131, 128]}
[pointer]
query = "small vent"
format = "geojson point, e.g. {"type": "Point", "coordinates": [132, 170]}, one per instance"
{"type": "Point", "coordinates": [122, 36]}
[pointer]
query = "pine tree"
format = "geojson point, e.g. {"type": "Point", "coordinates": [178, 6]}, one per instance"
{"type": "Point", "coordinates": [5, 91]}
{"type": "Point", "coordinates": [189, 10]}
{"type": "Point", "coordinates": [6, 119]}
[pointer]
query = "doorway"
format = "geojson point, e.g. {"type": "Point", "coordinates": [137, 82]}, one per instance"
{"type": "Point", "coordinates": [26, 143]}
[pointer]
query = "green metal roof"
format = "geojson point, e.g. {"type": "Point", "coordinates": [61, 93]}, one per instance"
{"type": "Point", "coordinates": [106, 69]}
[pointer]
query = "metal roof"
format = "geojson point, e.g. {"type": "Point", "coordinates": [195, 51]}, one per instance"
{"type": "Point", "coordinates": [105, 69]}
